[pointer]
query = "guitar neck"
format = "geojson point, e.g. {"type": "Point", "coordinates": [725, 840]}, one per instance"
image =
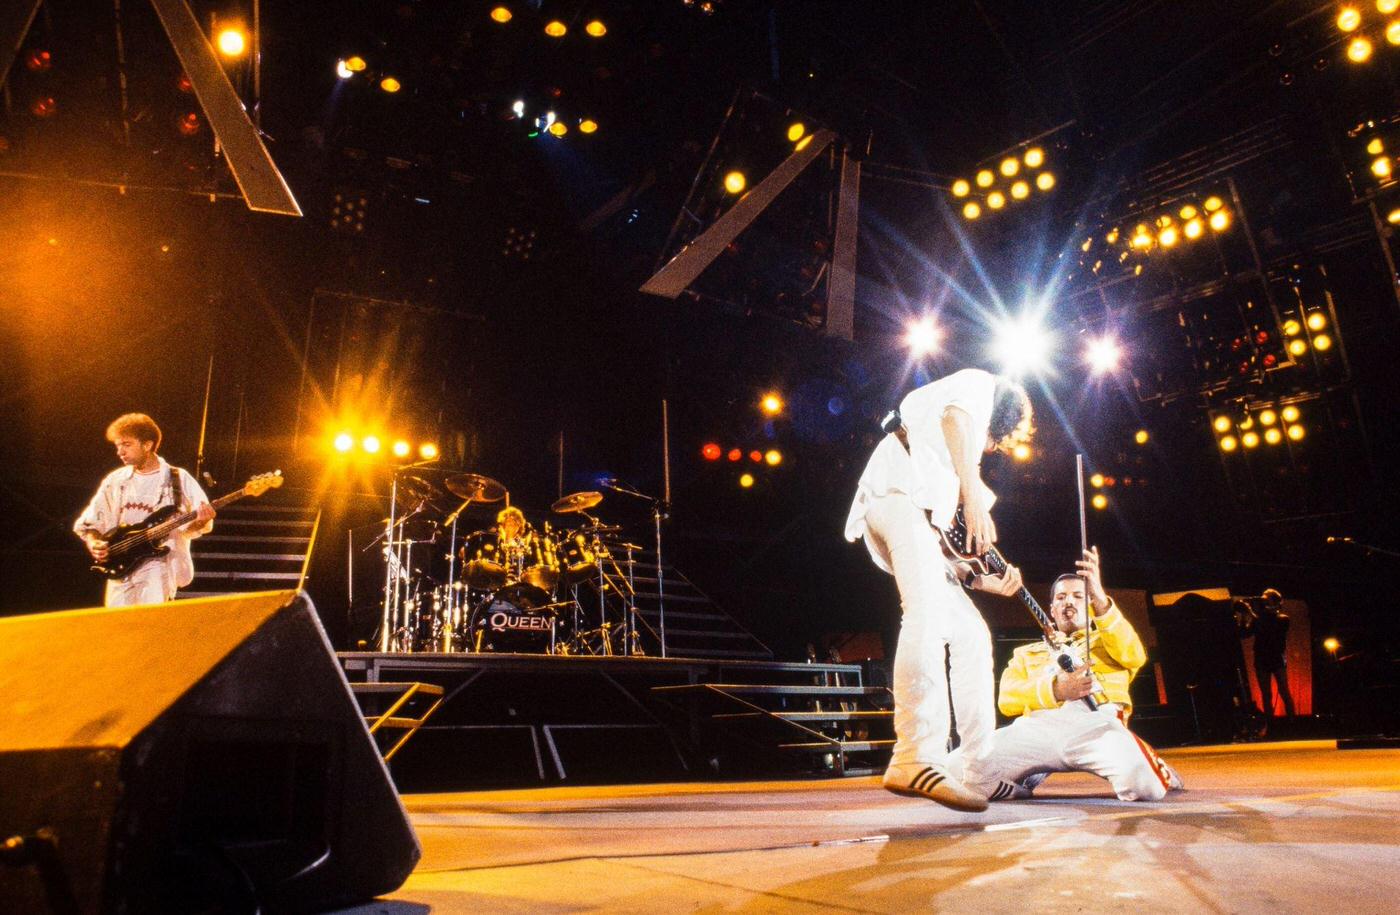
{"type": "Point", "coordinates": [166, 527]}
{"type": "Point", "coordinates": [998, 564]}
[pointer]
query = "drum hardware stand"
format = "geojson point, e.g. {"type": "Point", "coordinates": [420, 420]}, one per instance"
{"type": "Point", "coordinates": [453, 611]}
{"type": "Point", "coordinates": [660, 511]}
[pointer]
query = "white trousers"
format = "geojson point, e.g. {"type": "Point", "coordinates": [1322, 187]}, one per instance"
{"type": "Point", "coordinates": [1072, 738]}
{"type": "Point", "coordinates": [937, 615]}
{"type": "Point", "coordinates": [151, 583]}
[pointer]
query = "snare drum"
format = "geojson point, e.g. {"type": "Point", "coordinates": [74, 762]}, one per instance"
{"type": "Point", "coordinates": [576, 558]}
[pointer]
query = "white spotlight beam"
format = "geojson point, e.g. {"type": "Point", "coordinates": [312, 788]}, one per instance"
{"type": "Point", "coordinates": [1022, 345]}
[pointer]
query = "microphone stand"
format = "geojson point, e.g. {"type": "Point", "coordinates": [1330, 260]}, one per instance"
{"type": "Point", "coordinates": [660, 511]}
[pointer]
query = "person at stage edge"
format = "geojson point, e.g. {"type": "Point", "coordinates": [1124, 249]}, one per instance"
{"type": "Point", "coordinates": [917, 477]}
{"type": "Point", "coordinates": [1269, 625]}
{"type": "Point", "coordinates": [144, 483]}
{"type": "Point", "coordinates": [1054, 730]}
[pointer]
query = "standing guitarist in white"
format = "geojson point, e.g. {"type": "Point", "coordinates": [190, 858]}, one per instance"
{"type": "Point", "coordinates": [917, 477]}
{"type": "Point", "coordinates": [127, 495]}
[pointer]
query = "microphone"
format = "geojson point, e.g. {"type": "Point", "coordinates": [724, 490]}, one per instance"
{"type": "Point", "coordinates": [1067, 663]}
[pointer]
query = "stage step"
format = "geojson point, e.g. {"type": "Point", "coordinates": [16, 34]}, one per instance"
{"type": "Point", "coordinates": [254, 544]}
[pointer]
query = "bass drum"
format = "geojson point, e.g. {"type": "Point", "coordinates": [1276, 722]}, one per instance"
{"type": "Point", "coordinates": [577, 560]}
{"type": "Point", "coordinates": [501, 624]}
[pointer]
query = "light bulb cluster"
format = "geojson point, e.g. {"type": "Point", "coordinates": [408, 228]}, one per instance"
{"type": "Point", "coordinates": [1189, 220]}
{"type": "Point", "coordinates": [1012, 179]}
{"type": "Point", "coordinates": [370, 444]}
{"type": "Point", "coordinates": [1363, 31]}
{"type": "Point", "coordinates": [1268, 424]}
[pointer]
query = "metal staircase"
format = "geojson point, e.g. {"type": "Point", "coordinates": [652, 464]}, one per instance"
{"type": "Point", "coordinates": [255, 546]}
{"type": "Point", "coordinates": [696, 626]}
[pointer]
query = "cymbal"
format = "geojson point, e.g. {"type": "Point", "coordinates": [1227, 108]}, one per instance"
{"type": "Point", "coordinates": [597, 527]}
{"type": "Point", "coordinates": [577, 502]}
{"type": "Point", "coordinates": [476, 487]}
{"type": "Point", "coordinates": [417, 489]}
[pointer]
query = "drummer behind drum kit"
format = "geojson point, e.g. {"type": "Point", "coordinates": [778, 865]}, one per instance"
{"type": "Point", "coordinates": [511, 587]}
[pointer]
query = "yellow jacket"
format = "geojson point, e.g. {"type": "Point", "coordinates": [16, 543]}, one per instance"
{"type": "Point", "coordinates": [1117, 654]}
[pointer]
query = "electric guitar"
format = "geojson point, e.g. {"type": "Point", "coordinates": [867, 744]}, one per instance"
{"type": "Point", "coordinates": [991, 562]}
{"type": "Point", "coordinates": [131, 545]}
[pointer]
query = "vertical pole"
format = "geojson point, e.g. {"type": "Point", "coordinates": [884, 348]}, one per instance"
{"type": "Point", "coordinates": [257, 63]}
{"type": "Point", "coordinates": [386, 615]}
{"type": "Point", "coordinates": [561, 465]}
{"type": "Point", "coordinates": [204, 420]}
{"type": "Point", "coordinates": [305, 369]}
{"type": "Point", "coordinates": [662, 510]}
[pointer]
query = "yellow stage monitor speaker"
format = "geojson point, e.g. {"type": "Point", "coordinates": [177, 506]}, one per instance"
{"type": "Point", "coordinates": [201, 755]}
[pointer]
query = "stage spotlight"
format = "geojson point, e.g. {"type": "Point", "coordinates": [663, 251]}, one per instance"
{"type": "Point", "coordinates": [711, 451]}
{"type": "Point", "coordinates": [1316, 320]}
{"type": "Point", "coordinates": [595, 28]}
{"type": "Point", "coordinates": [1140, 436]}
{"type": "Point", "coordinates": [735, 182]}
{"type": "Point", "coordinates": [971, 209]}
{"type": "Point", "coordinates": [1247, 422]}
{"type": "Point", "coordinates": [796, 130]}
{"type": "Point", "coordinates": [961, 188]}
{"type": "Point", "coordinates": [371, 444]}
{"type": "Point", "coordinates": [1221, 423]}
{"type": "Point", "coordinates": [1272, 435]}
{"type": "Point", "coordinates": [1386, 7]}
{"type": "Point", "coordinates": [1100, 501]}
{"type": "Point", "coordinates": [555, 29]}
{"type": "Point", "coordinates": [1020, 190]}
{"type": "Point", "coordinates": [746, 480]}
{"type": "Point", "coordinates": [1291, 328]}
{"type": "Point", "coordinates": [985, 178]}
{"type": "Point", "coordinates": [1096, 481]}
{"type": "Point", "coordinates": [232, 42]}
{"type": "Point", "coordinates": [1250, 439]}
{"type": "Point", "coordinates": [1359, 50]}
{"type": "Point", "coordinates": [1034, 157]}
{"type": "Point", "coordinates": [1348, 18]}
{"type": "Point", "coordinates": [1380, 167]}
{"type": "Point", "coordinates": [428, 451]}
{"type": "Point", "coordinates": [588, 125]}
{"type": "Point", "coordinates": [1322, 343]}
{"type": "Point", "coordinates": [1267, 417]}
{"type": "Point", "coordinates": [735, 455]}
{"type": "Point", "coordinates": [1142, 238]}
{"type": "Point", "coordinates": [772, 403]}
{"type": "Point", "coordinates": [1188, 212]}
{"type": "Point", "coordinates": [1102, 354]}
{"type": "Point", "coordinates": [344, 442]}
{"type": "Point", "coordinates": [803, 143]}
{"type": "Point", "coordinates": [1331, 645]}
{"type": "Point", "coordinates": [1045, 180]}
{"type": "Point", "coordinates": [1021, 345]}
{"type": "Point", "coordinates": [1010, 166]}
{"type": "Point", "coordinates": [342, 69]}
{"type": "Point", "coordinates": [355, 63]}
{"type": "Point", "coordinates": [773, 457]}
{"type": "Point", "coordinates": [1228, 443]}
{"type": "Point", "coordinates": [996, 200]}
{"type": "Point", "coordinates": [923, 337]}
{"type": "Point", "coordinates": [558, 128]}
{"type": "Point", "coordinates": [1193, 229]}
{"type": "Point", "coordinates": [502, 14]}
{"type": "Point", "coordinates": [390, 84]}
{"type": "Point", "coordinates": [401, 448]}
{"type": "Point", "coordinates": [1297, 347]}
{"type": "Point", "coordinates": [1393, 217]}
{"type": "Point", "coordinates": [1213, 203]}
{"type": "Point", "coordinates": [1296, 433]}
{"type": "Point", "coordinates": [1220, 220]}
{"type": "Point", "coordinates": [1375, 147]}
{"type": "Point", "coordinates": [756, 456]}
{"type": "Point", "coordinates": [1392, 33]}
{"type": "Point", "coordinates": [1022, 452]}
{"type": "Point", "coordinates": [1112, 237]}
{"type": "Point", "coordinates": [1167, 237]}
{"type": "Point", "coordinates": [1290, 414]}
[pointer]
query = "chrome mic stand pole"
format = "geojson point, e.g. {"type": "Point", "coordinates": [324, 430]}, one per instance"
{"type": "Point", "coordinates": [661, 510]}
{"type": "Point", "coordinates": [390, 585]}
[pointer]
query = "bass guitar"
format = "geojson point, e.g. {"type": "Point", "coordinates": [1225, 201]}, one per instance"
{"type": "Point", "coordinates": [131, 545]}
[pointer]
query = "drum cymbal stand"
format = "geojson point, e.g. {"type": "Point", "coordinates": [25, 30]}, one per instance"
{"type": "Point", "coordinates": [454, 590]}
{"type": "Point", "coordinates": [660, 511]}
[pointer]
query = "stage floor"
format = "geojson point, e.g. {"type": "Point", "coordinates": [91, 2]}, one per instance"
{"type": "Point", "coordinates": [1286, 827]}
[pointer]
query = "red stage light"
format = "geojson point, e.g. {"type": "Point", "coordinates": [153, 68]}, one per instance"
{"type": "Point", "coordinates": [44, 107]}
{"type": "Point", "coordinates": [756, 456]}
{"type": "Point", "coordinates": [711, 451]}
{"type": "Point", "coordinates": [38, 61]}
{"type": "Point", "coordinates": [1261, 337]}
{"type": "Point", "coordinates": [1270, 360]}
{"type": "Point", "coordinates": [188, 125]}
{"type": "Point", "coordinates": [184, 84]}
{"type": "Point", "coordinates": [735, 454]}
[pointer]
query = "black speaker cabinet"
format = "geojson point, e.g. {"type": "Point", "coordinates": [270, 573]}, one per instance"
{"type": "Point", "coordinates": [201, 755]}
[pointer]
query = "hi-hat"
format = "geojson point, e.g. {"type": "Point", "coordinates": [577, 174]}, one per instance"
{"type": "Point", "coordinates": [475, 487]}
{"type": "Point", "coordinates": [577, 502]}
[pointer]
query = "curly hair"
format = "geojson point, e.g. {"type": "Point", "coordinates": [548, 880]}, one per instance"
{"type": "Point", "coordinates": [137, 425]}
{"type": "Point", "coordinates": [1011, 412]}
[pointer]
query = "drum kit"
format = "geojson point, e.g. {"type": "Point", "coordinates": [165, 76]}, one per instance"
{"type": "Point", "coordinates": [566, 589]}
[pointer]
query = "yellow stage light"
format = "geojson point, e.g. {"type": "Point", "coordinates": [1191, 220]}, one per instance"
{"type": "Point", "coordinates": [1112, 237]}
{"type": "Point", "coordinates": [1267, 417]}
{"type": "Point", "coordinates": [1291, 328]}
{"type": "Point", "coordinates": [961, 188]}
{"type": "Point", "coordinates": [1359, 50]}
{"type": "Point", "coordinates": [1193, 229]}
{"type": "Point", "coordinates": [1322, 343]}
{"type": "Point", "coordinates": [1164, 220]}
{"type": "Point", "coordinates": [1386, 7]}
{"type": "Point", "coordinates": [390, 85]}
{"type": "Point", "coordinates": [344, 442]}
{"type": "Point", "coordinates": [773, 457]}
{"type": "Point", "coordinates": [1380, 167]}
{"type": "Point", "coordinates": [1247, 422]}
{"type": "Point", "coordinates": [501, 14]}
{"type": "Point", "coordinates": [232, 42]}
{"type": "Point", "coordinates": [1375, 147]}
{"type": "Point", "coordinates": [1316, 320]}
{"type": "Point", "coordinates": [1213, 203]}
{"type": "Point", "coordinates": [996, 200]}
{"type": "Point", "coordinates": [1020, 190]}
{"type": "Point", "coordinates": [772, 403]}
{"type": "Point", "coordinates": [1167, 237]}
{"type": "Point", "coordinates": [1010, 166]}
{"type": "Point", "coordinates": [558, 128]}
{"type": "Point", "coordinates": [1045, 180]}
{"type": "Point", "coordinates": [1088, 243]}
{"type": "Point", "coordinates": [355, 64]}
{"type": "Point", "coordinates": [1296, 433]}
{"type": "Point", "coordinates": [1034, 157]}
{"type": "Point", "coordinates": [1392, 33]}
{"type": "Point", "coordinates": [556, 29]}
{"type": "Point", "coordinates": [1220, 220]}
{"type": "Point", "coordinates": [1142, 239]}
{"type": "Point", "coordinates": [971, 210]}
{"type": "Point", "coordinates": [1140, 436]}
{"type": "Point", "coordinates": [401, 448]}
{"type": "Point", "coordinates": [1229, 443]}
{"type": "Point", "coordinates": [588, 125]}
{"type": "Point", "coordinates": [1348, 18]}
{"type": "Point", "coordinates": [802, 143]}
{"type": "Point", "coordinates": [1188, 212]}
{"type": "Point", "coordinates": [746, 480]}
{"type": "Point", "coordinates": [1100, 501]}
{"type": "Point", "coordinates": [1331, 645]}
{"type": "Point", "coordinates": [1096, 481]}
{"type": "Point", "coordinates": [735, 182]}
{"type": "Point", "coordinates": [371, 444]}
{"type": "Point", "coordinates": [1222, 423]}
{"type": "Point", "coordinates": [796, 130]}
{"type": "Point", "coordinates": [1022, 452]}
{"type": "Point", "coordinates": [1250, 439]}
{"type": "Point", "coordinates": [1272, 435]}
{"type": "Point", "coordinates": [428, 451]}
{"type": "Point", "coordinates": [1393, 217]}
{"type": "Point", "coordinates": [1297, 347]}
{"type": "Point", "coordinates": [985, 178]}
{"type": "Point", "coordinates": [596, 28]}
{"type": "Point", "coordinates": [1290, 414]}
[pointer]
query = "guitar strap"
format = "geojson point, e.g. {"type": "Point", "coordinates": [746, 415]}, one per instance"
{"type": "Point", "coordinates": [176, 491]}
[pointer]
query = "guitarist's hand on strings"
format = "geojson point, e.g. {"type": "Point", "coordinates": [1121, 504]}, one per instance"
{"type": "Point", "coordinates": [981, 532]}
{"type": "Point", "coordinates": [96, 546]}
{"type": "Point", "coordinates": [1007, 584]}
{"type": "Point", "coordinates": [204, 513]}
{"type": "Point", "coordinates": [1072, 685]}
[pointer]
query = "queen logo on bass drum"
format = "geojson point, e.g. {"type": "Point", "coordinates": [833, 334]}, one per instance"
{"type": "Point", "coordinates": [501, 621]}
